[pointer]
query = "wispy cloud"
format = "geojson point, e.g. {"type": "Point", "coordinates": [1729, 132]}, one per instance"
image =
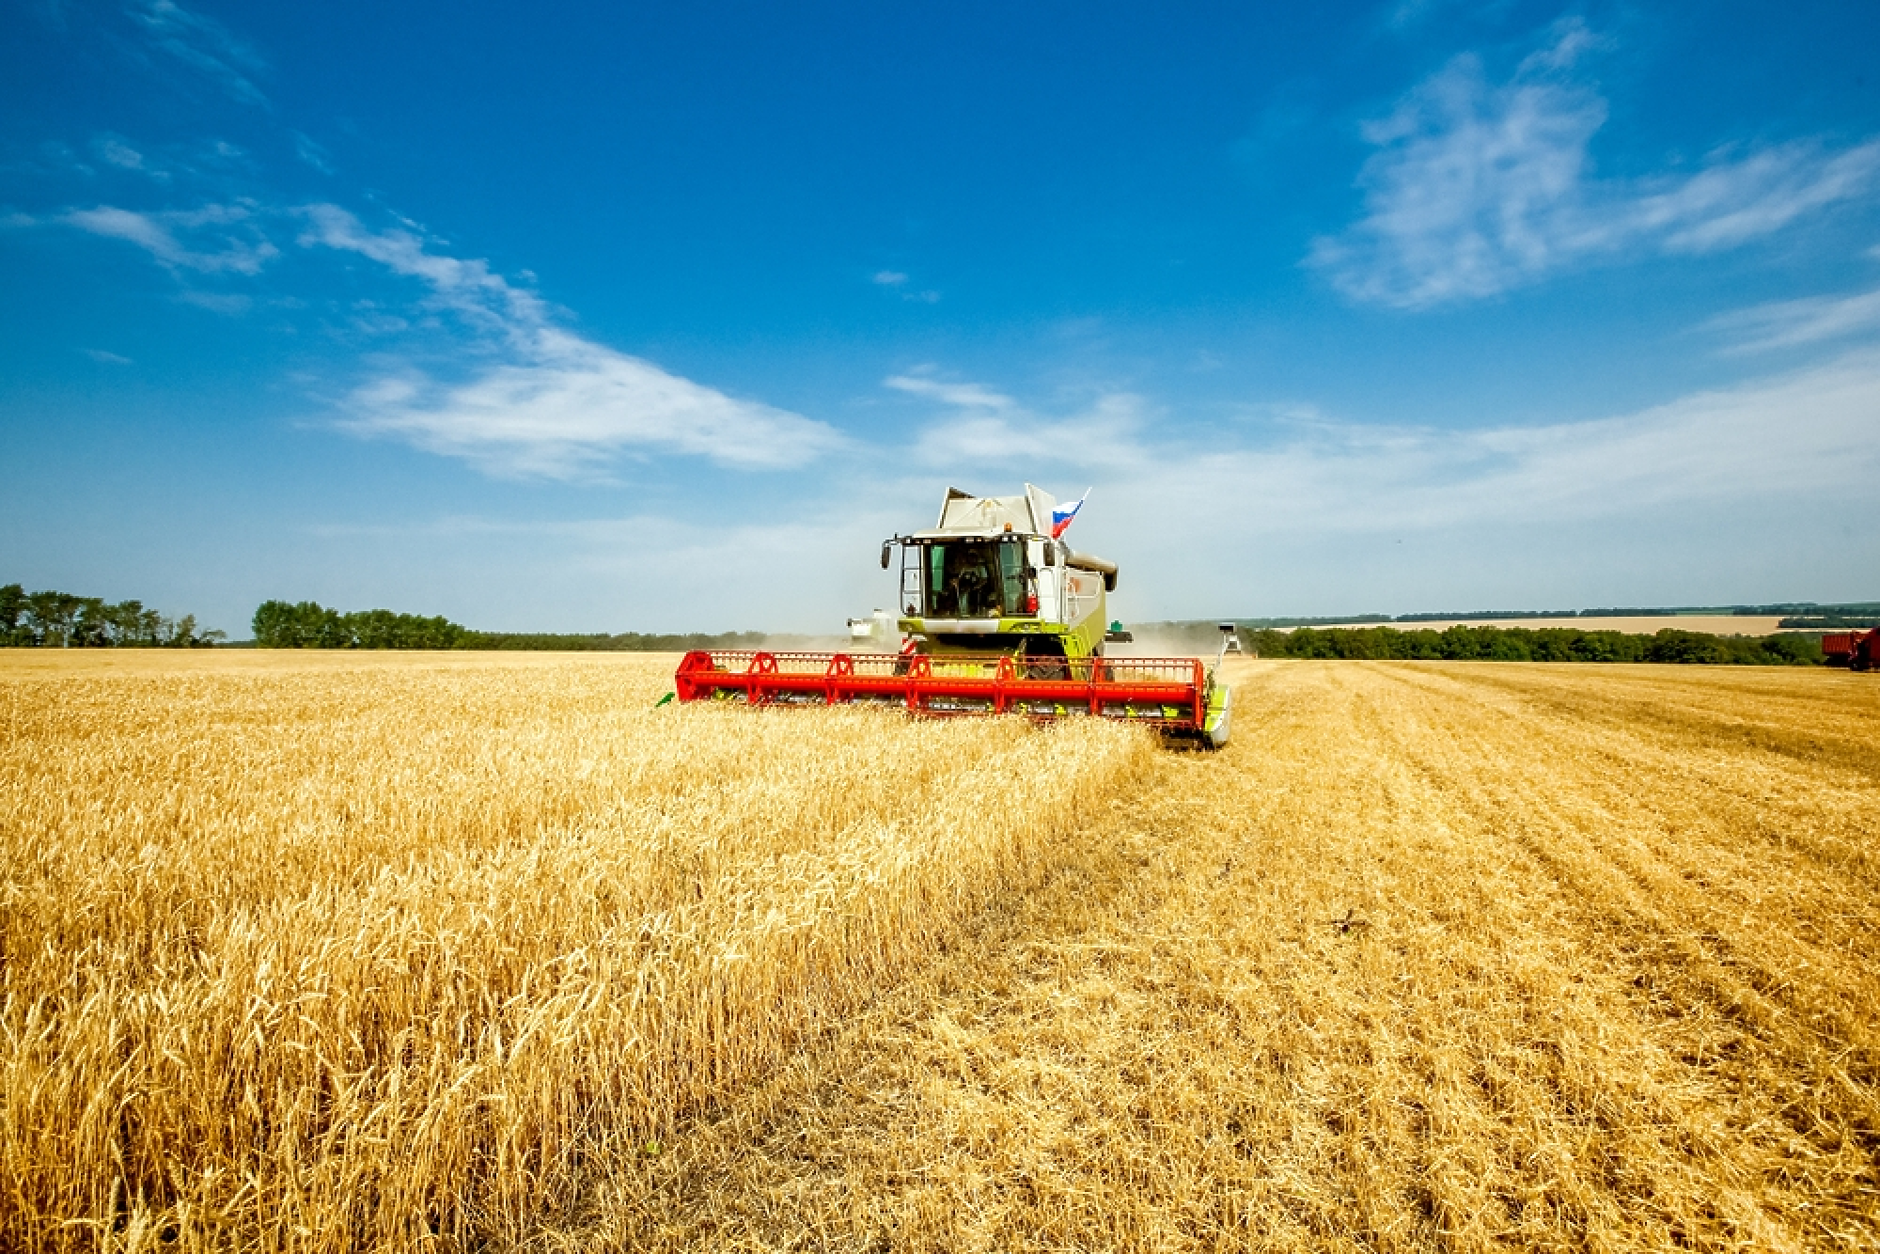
{"type": "Point", "coordinates": [203, 44]}
{"type": "Point", "coordinates": [1480, 187]}
{"type": "Point", "coordinates": [468, 288]}
{"type": "Point", "coordinates": [540, 402]}
{"type": "Point", "coordinates": [1787, 323]}
{"type": "Point", "coordinates": [1735, 201]}
{"type": "Point", "coordinates": [228, 304]}
{"type": "Point", "coordinates": [214, 239]}
{"type": "Point", "coordinates": [896, 281]}
{"type": "Point", "coordinates": [115, 151]}
{"type": "Point", "coordinates": [555, 405]}
{"type": "Point", "coordinates": [312, 153]}
{"type": "Point", "coordinates": [105, 358]}
{"type": "Point", "coordinates": [988, 428]}
{"type": "Point", "coordinates": [1404, 15]}
{"type": "Point", "coordinates": [963, 395]}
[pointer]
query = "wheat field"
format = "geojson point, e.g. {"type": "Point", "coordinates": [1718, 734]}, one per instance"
{"type": "Point", "coordinates": [453, 952]}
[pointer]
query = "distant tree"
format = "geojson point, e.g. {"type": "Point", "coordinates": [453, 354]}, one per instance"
{"type": "Point", "coordinates": [51, 619]}
{"type": "Point", "coordinates": [302, 625]}
{"type": "Point", "coordinates": [310, 625]}
{"type": "Point", "coordinates": [12, 610]}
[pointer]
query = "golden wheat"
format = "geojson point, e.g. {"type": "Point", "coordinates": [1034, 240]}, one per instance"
{"type": "Point", "coordinates": [382, 952]}
{"type": "Point", "coordinates": [320, 952]}
{"type": "Point", "coordinates": [1434, 957]}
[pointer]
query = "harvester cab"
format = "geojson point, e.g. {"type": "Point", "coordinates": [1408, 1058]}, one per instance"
{"type": "Point", "coordinates": [993, 577]}
{"type": "Point", "coordinates": [997, 615]}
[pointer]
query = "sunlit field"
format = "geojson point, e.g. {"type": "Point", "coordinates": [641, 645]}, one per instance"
{"type": "Point", "coordinates": [453, 952]}
{"type": "Point", "coordinates": [347, 953]}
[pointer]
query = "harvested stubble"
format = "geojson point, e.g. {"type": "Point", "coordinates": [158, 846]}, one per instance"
{"type": "Point", "coordinates": [1434, 957]}
{"type": "Point", "coordinates": [392, 952]}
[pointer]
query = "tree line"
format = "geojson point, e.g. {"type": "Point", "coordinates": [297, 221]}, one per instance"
{"type": "Point", "coordinates": [1794, 614]}
{"type": "Point", "coordinates": [310, 625]}
{"type": "Point", "coordinates": [65, 620]}
{"type": "Point", "coordinates": [1529, 644]}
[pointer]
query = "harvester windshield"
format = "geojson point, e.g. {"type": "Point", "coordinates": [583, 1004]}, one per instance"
{"type": "Point", "coordinates": [974, 579]}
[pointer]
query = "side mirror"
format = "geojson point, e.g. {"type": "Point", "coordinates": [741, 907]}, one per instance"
{"type": "Point", "coordinates": [886, 547]}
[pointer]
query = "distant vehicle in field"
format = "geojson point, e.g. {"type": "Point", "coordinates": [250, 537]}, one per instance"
{"type": "Point", "coordinates": [1858, 650]}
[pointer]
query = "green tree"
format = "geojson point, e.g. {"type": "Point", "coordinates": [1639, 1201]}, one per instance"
{"type": "Point", "coordinates": [12, 611]}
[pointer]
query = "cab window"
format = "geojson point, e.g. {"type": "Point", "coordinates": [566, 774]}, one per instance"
{"type": "Point", "coordinates": [975, 579]}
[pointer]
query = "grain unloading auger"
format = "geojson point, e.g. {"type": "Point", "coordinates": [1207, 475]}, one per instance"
{"type": "Point", "coordinates": [999, 616]}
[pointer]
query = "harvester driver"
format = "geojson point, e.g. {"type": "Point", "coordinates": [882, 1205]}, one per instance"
{"type": "Point", "coordinates": [971, 581]}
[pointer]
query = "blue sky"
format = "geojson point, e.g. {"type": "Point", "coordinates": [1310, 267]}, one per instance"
{"type": "Point", "coordinates": [660, 317]}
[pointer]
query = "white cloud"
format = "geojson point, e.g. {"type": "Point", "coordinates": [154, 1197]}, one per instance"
{"type": "Point", "coordinates": [231, 304]}
{"type": "Point", "coordinates": [1736, 201]}
{"type": "Point", "coordinates": [1719, 495]}
{"type": "Point", "coordinates": [104, 358]}
{"type": "Point", "coordinates": [214, 239]}
{"type": "Point", "coordinates": [964, 395]}
{"type": "Point", "coordinates": [1784, 324]}
{"type": "Point", "coordinates": [575, 405]}
{"type": "Point", "coordinates": [992, 430]}
{"type": "Point", "coordinates": [1804, 432]}
{"type": "Point", "coordinates": [312, 153]}
{"type": "Point", "coordinates": [110, 148]}
{"type": "Point", "coordinates": [1590, 512]}
{"type": "Point", "coordinates": [203, 44]}
{"type": "Point", "coordinates": [1478, 187]}
{"type": "Point", "coordinates": [895, 280]}
{"type": "Point", "coordinates": [468, 288]}
{"type": "Point", "coordinates": [558, 405]}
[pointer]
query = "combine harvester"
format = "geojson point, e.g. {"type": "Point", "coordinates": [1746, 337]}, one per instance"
{"type": "Point", "coordinates": [999, 616]}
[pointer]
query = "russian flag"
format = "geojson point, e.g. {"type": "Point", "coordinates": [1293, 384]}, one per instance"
{"type": "Point", "coordinates": [1061, 516]}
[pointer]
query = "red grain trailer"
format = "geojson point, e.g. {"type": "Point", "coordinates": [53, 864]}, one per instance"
{"type": "Point", "coordinates": [1859, 650]}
